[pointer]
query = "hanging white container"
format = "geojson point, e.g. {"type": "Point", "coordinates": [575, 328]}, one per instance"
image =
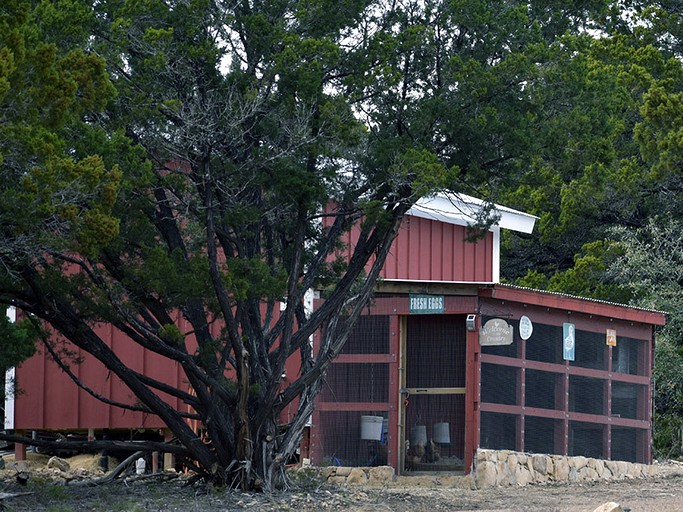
{"type": "Point", "coordinates": [442, 433]}
{"type": "Point", "coordinates": [371, 428]}
{"type": "Point", "coordinates": [418, 435]}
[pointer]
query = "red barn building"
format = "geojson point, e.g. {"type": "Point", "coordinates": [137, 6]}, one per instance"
{"type": "Point", "coordinates": [445, 361]}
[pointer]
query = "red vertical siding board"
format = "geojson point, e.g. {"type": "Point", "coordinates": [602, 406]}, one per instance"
{"type": "Point", "coordinates": [93, 413]}
{"type": "Point", "coordinates": [481, 261]}
{"type": "Point", "coordinates": [436, 271]}
{"type": "Point", "coordinates": [61, 398]}
{"type": "Point", "coordinates": [455, 257]}
{"type": "Point", "coordinates": [489, 257]}
{"type": "Point", "coordinates": [30, 388]}
{"type": "Point", "coordinates": [448, 260]}
{"type": "Point", "coordinates": [131, 355]}
{"type": "Point", "coordinates": [404, 255]}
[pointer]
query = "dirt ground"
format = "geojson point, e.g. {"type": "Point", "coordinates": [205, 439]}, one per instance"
{"type": "Point", "coordinates": [45, 492]}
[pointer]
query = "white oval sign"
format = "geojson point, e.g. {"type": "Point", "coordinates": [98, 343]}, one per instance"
{"type": "Point", "coordinates": [526, 328]}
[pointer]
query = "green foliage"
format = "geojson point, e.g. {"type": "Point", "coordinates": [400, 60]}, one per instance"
{"type": "Point", "coordinates": [17, 341]}
{"type": "Point", "coordinates": [253, 278]}
{"type": "Point", "coordinates": [605, 176]}
{"type": "Point", "coordinates": [171, 334]}
{"type": "Point", "coordinates": [305, 478]}
{"type": "Point", "coordinates": [651, 267]}
{"type": "Point", "coordinates": [668, 401]}
{"type": "Point", "coordinates": [52, 196]}
{"type": "Point", "coordinates": [588, 277]}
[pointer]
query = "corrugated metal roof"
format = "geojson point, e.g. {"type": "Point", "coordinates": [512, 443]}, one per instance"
{"type": "Point", "coordinates": [578, 297]}
{"type": "Point", "coordinates": [491, 285]}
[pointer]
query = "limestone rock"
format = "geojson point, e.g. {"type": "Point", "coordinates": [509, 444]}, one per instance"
{"type": "Point", "coordinates": [540, 463]}
{"type": "Point", "coordinates": [622, 469]}
{"type": "Point", "coordinates": [561, 470]}
{"type": "Point", "coordinates": [506, 475]}
{"type": "Point", "coordinates": [550, 468]}
{"type": "Point", "coordinates": [634, 471]}
{"type": "Point", "coordinates": [337, 480]}
{"type": "Point", "coordinates": [343, 471]}
{"type": "Point", "coordinates": [613, 468]}
{"type": "Point", "coordinates": [57, 463]}
{"type": "Point", "coordinates": [481, 455]}
{"type": "Point", "coordinates": [486, 474]}
{"type": "Point", "coordinates": [580, 462]}
{"type": "Point", "coordinates": [381, 474]}
{"type": "Point", "coordinates": [609, 507]}
{"type": "Point", "coordinates": [357, 477]}
{"type": "Point", "coordinates": [523, 476]}
{"type": "Point", "coordinates": [328, 471]}
{"type": "Point", "coordinates": [598, 465]}
{"type": "Point", "coordinates": [587, 474]}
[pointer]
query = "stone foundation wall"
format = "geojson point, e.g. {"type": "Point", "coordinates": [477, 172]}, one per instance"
{"type": "Point", "coordinates": [339, 475]}
{"type": "Point", "coordinates": [494, 468]}
{"type": "Point", "coordinates": [499, 468]}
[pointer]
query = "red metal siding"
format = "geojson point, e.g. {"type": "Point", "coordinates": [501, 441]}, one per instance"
{"type": "Point", "coordinates": [429, 250]}
{"type": "Point", "coordinates": [50, 400]}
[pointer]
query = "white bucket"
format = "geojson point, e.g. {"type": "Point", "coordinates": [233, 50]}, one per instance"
{"type": "Point", "coordinates": [442, 433]}
{"type": "Point", "coordinates": [371, 427]}
{"type": "Point", "coordinates": [140, 466]}
{"type": "Point", "coordinates": [418, 435]}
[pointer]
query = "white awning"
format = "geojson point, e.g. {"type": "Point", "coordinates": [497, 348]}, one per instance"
{"type": "Point", "coordinates": [462, 209]}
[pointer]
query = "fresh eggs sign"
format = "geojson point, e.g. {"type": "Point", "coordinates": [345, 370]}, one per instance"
{"type": "Point", "coordinates": [426, 304]}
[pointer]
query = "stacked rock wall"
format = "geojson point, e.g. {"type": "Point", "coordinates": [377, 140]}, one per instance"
{"type": "Point", "coordinates": [495, 468]}
{"type": "Point", "coordinates": [499, 468]}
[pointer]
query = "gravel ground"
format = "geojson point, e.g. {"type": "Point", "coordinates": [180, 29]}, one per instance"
{"type": "Point", "coordinates": [167, 493]}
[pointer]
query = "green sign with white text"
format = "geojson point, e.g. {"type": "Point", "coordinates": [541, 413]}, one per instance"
{"type": "Point", "coordinates": [426, 304]}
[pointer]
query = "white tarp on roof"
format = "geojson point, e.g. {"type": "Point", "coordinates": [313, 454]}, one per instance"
{"type": "Point", "coordinates": [462, 209]}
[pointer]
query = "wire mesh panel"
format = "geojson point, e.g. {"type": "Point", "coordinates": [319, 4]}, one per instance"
{"type": "Point", "coordinates": [500, 384]}
{"type": "Point", "coordinates": [356, 382]}
{"type": "Point", "coordinates": [352, 438]}
{"type": "Point", "coordinates": [626, 356]}
{"type": "Point", "coordinates": [350, 426]}
{"type": "Point", "coordinates": [498, 431]}
{"type": "Point", "coordinates": [544, 390]}
{"type": "Point", "coordinates": [629, 401]}
{"type": "Point", "coordinates": [544, 345]}
{"type": "Point", "coordinates": [435, 352]}
{"type": "Point", "coordinates": [625, 443]}
{"type": "Point", "coordinates": [435, 433]}
{"type": "Point", "coordinates": [543, 435]}
{"type": "Point", "coordinates": [587, 395]}
{"type": "Point", "coordinates": [540, 394]}
{"type": "Point", "coordinates": [370, 335]}
{"type": "Point", "coordinates": [586, 439]}
{"type": "Point", "coordinates": [591, 351]}
{"type": "Point", "coordinates": [435, 357]}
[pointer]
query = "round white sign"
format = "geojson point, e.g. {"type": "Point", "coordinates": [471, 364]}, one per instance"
{"type": "Point", "coordinates": [525, 327]}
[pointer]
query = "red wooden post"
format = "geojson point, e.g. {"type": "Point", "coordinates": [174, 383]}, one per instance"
{"type": "Point", "coordinates": [20, 449]}
{"type": "Point", "coordinates": [394, 405]}
{"type": "Point", "coordinates": [472, 397]}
